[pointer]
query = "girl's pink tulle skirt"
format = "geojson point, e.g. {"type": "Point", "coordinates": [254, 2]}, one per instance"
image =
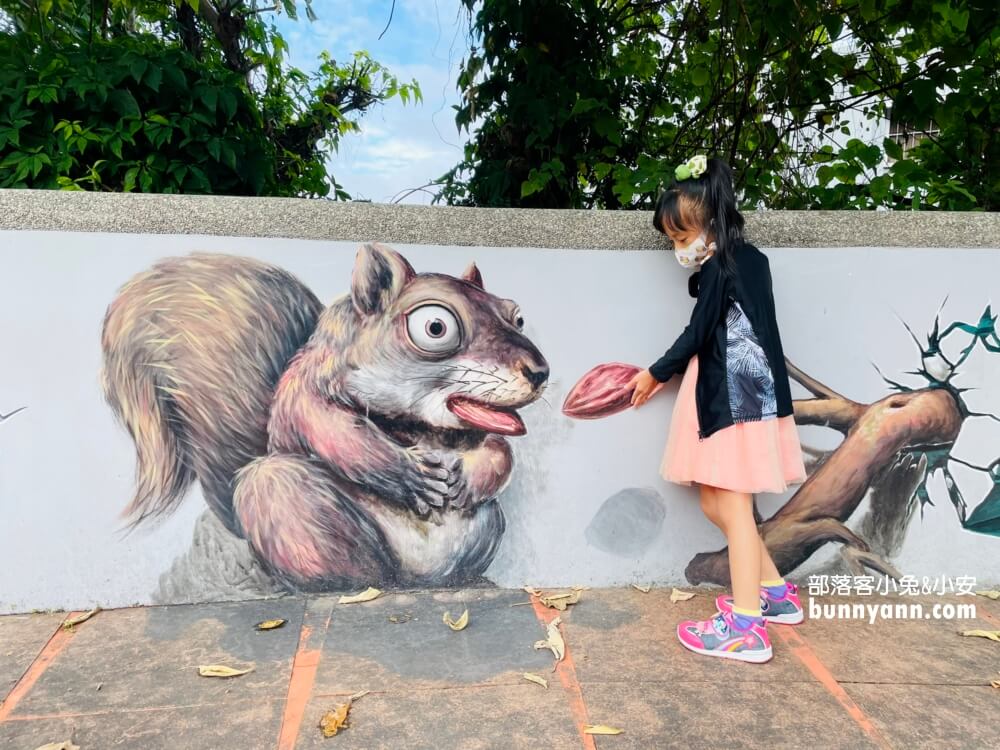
{"type": "Point", "coordinates": [751, 457]}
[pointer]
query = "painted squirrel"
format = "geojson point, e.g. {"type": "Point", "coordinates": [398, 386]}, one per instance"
{"type": "Point", "coordinates": [360, 443]}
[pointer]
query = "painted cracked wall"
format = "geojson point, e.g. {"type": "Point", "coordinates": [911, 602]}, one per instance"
{"type": "Point", "coordinates": [283, 414]}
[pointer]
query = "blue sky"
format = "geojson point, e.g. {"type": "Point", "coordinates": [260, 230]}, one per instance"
{"type": "Point", "coordinates": [400, 146]}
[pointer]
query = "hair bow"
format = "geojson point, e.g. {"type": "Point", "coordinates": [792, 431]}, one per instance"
{"type": "Point", "coordinates": [693, 167]}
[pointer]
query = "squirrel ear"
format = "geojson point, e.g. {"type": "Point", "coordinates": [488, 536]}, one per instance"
{"type": "Point", "coordinates": [472, 275]}
{"type": "Point", "coordinates": [380, 273]}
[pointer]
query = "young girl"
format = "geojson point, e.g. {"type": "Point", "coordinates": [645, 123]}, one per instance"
{"type": "Point", "coordinates": [732, 431]}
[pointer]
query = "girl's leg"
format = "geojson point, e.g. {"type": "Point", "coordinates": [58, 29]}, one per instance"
{"type": "Point", "coordinates": [768, 570]}
{"type": "Point", "coordinates": [735, 511]}
{"type": "Point", "coordinates": [710, 505]}
{"type": "Point", "coordinates": [737, 632]}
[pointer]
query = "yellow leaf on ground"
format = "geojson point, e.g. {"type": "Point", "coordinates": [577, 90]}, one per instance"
{"type": "Point", "coordinates": [560, 601]}
{"type": "Point", "coordinates": [600, 729]}
{"type": "Point", "coordinates": [536, 679]}
{"type": "Point", "coordinates": [365, 596]}
{"type": "Point", "coordinates": [64, 745]}
{"type": "Point", "coordinates": [532, 590]}
{"type": "Point", "coordinates": [994, 594]}
{"type": "Point", "coordinates": [458, 624]}
{"type": "Point", "coordinates": [680, 596]}
{"type": "Point", "coordinates": [270, 624]}
{"type": "Point", "coordinates": [554, 641]}
{"type": "Point", "coordinates": [334, 720]}
{"type": "Point", "coordinates": [995, 683]}
{"type": "Point", "coordinates": [993, 635]}
{"type": "Point", "coordinates": [68, 625]}
{"type": "Point", "coordinates": [643, 589]}
{"type": "Point", "coordinates": [221, 670]}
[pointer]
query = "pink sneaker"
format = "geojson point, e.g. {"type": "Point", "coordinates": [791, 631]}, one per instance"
{"type": "Point", "coordinates": [784, 611]}
{"type": "Point", "coordinates": [718, 637]}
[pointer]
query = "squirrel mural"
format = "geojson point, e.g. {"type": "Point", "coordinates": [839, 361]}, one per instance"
{"type": "Point", "coordinates": [360, 443]}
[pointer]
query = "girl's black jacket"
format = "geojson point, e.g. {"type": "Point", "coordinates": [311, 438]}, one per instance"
{"type": "Point", "coordinates": [706, 335]}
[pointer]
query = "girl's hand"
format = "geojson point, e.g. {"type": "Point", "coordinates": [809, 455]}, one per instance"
{"type": "Point", "coordinates": [645, 385]}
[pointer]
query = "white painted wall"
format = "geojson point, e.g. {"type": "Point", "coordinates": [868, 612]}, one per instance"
{"type": "Point", "coordinates": [66, 468]}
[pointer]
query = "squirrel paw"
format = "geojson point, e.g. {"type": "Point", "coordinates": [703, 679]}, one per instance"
{"type": "Point", "coordinates": [439, 481]}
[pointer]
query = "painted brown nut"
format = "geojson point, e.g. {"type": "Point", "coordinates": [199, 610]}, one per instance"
{"type": "Point", "coordinates": [601, 392]}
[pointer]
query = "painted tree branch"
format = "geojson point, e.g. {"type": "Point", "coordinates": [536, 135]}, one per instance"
{"type": "Point", "coordinates": [837, 414]}
{"type": "Point", "coordinates": [828, 409]}
{"type": "Point", "coordinates": [817, 513]}
{"type": "Point", "coordinates": [812, 385]}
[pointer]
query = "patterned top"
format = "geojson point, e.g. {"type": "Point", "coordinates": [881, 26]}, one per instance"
{"type": "Point", "coordinates": [748, 374]}
{"type": "Point", "coordinates": [733, 352]}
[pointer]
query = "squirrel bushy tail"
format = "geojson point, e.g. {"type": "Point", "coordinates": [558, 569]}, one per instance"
{"type": "Point", "coordinates": [193, 349]}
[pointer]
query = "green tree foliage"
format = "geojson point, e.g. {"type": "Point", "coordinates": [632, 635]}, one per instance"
{"type": "Point", "coordinates": [153, 96]}
{"type": "Point", "coordinates": [591, 103]}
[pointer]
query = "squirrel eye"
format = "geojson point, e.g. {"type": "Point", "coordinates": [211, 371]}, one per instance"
{"type": "Point", "coordinates": [518, 319]}
{"type": "Point", "coordinates": [433, 328]}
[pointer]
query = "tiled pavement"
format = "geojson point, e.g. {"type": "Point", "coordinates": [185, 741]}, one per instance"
{"type": "Point", "coordinates": [128, 678]}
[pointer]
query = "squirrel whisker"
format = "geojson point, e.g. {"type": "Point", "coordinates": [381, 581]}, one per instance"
{"type": "Point", "coordinates": [478, 372]}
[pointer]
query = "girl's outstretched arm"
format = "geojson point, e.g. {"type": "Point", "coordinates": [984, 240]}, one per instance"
{"type": "Point", "coordinates": [706, 314]}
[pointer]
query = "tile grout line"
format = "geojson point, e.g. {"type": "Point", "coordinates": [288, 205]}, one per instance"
{"type": "Point", "coordinates": [52, 648]}
{"type": "Point", "coordinates": [800, 647]}
{"type": "Point", "coordinates": [301, 679]}
{"type": "Point", "coordinates": [566, 669]}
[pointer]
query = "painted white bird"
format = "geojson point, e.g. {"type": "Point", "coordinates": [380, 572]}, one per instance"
{"type": "Point", "coordinates": [937, 367]}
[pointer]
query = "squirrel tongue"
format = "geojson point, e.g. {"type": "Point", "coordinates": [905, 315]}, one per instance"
{"type": "Point", "coordinates": [480, 415]}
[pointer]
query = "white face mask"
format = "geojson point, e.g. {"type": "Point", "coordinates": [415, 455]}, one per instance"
{"type": "Point", "coordinates": [695, 253]}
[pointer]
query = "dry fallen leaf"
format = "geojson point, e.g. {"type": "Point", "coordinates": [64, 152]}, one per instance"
{"type": "Point", "coordinates": [643, 589]}
{"type": "Point", "coordinates": [536, 679]}
{"type": "Point", "coordinates": [995, 683]}
{"type": "Point", "coordinates": [532, 590]}
{"type": "Point", "coordinates": [680, 596]}
{"type": "Point", "coordinates": [361, 694]}
{"type": "Point", "coordinates": [270, 624]}
{"type": "Point", "coordinates": [458, 624]}
{"type": "Point", "coordinates": [554, 642]}
{"type": "Point", "coordinates": [560, 601]}
{"type": "Point", "coordinates": [221, 670]}
{"type": "Point", "coordinates": [334, 720]}
{"type": "Point", "coordinates": [994, 594]}
{"type": "Point", "coordinates": [600, 729]}
{"type": "Point", "coordinates": [993, 635]}
{"type": "Point", "coordinates": [398, 619]}
{"type": "Point", "coordinates": [68, 624]}
{"type": "Point", "coordinates": [365, 596]}
{"type": "Point", "coordinates": [64, 745]}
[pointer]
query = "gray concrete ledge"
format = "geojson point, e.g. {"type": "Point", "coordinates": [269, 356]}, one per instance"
{"type": "Point", "coordinates": [492, 227]}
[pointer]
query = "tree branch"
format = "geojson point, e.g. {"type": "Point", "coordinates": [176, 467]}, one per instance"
{"type": "Point", "coordinates": [837, 414]}
{"type": "Point", "coordinates": [811, 384]}
{"type": "Point", "coordinates": [818, 512]}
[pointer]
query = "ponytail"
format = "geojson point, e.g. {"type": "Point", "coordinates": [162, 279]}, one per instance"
{"type": "Point", "coordinates": [708, 201]}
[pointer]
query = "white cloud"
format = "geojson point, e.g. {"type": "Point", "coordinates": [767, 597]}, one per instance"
{"type": "Point", "coordinates": [400, 146]}
{"type": "Point", "coordinates": [403, 146]}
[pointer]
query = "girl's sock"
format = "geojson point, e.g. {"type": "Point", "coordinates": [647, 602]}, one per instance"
{"type": "Point", "coordinates": [775, 589]}
{"type": "Point", "coordinates": [744, 618]}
